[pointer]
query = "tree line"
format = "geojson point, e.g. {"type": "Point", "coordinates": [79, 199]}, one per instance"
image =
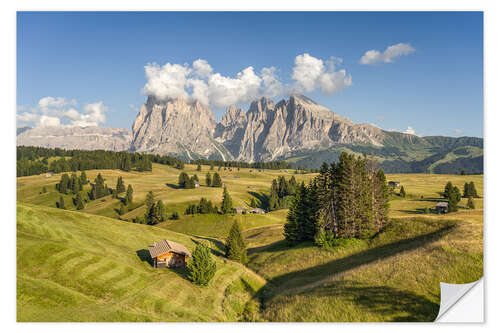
{"type": "Point", "coordinates": [274, 165]}
{"type": "Point", "coordinates": [36, 160]}
{"type": "Point", "coordinates": [348, 199]}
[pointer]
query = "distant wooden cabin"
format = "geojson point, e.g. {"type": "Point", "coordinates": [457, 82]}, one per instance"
{"type": "Point", "coordinates": [257, 211]}
{"type": "Point", "coordinates": [196, 184]}
{"type": "Point", "coordinates": [49, 174]}
{"type": "Point", "coordinates": [166, 253]}
{"type": "Point", "coordinates": [393, 184]}
{"type": "Point", "coordinates": [240, 210]}
{"type": "Point", "coordinates": [442, 207]}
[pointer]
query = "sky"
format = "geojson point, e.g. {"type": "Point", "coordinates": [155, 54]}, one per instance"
{"type": "Point", "coordinates": [414, 72]}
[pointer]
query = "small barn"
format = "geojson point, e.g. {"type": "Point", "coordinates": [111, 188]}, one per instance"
{"type": "Point", "coordinates": [393, 183]}
{"type": "Point", "coordinates": [240, 210]}
{"type": "Point", "coordinates": [196, 183]}
{"type": "Point", "coordinates": [49, 174]}
{"type": "Point", "coordinates": [257, 211]}
{"type": "Point", "coordinates": [442, 207]}
{"type": "Point", "coordinates": [166, 253]}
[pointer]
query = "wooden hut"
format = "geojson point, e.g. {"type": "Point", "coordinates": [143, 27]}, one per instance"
{"type": "Point", "coordinates": [257, 211]}
{"type": "Point", "coordinates": [393, 183]}
{"type": "Point", "coordinates": [240, 210]}
{"type": "Point", "coordinates": [166, 253]}
{"type": "Point", "coordinates": [442, 207]}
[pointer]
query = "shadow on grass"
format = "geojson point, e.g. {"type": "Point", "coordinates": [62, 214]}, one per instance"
{"type": "Point", "coordinates": [391, 303]}
{"type": "Point", "coordinates": [174, 186]}
{"type": "Point", "coordinates": [144, 255]}
{"type": "Point", "coordinates": [298, 281]}
{"type": "Point", "coordinates": [218, 244]}
{"type": "Point", "coordinates": [262, 198]}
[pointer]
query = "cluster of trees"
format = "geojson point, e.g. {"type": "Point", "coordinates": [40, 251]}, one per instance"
{"type": "Point", "coordinates": [187, 182]}
{"type": "Point", "coordinates": [470, 190]}
{"type": "Point", "coordinates": [203, 207]}
{"type": "Point", "coordinates": [274, 165]}
{"type": "Point", "coordinates": [282, 192]}
{"type": "Point", "coordinates": [349, 199]}
{"type": "Point", "coordinates": [35, 160]}
{"type": "Point", "coordinates": [452, 193]}
{"type": "Point", "coordinates": [213, 181]}
{"type": "Point", "coordinates": [156, 211]}
{"type": "Point", "coordinates": [73, 184]}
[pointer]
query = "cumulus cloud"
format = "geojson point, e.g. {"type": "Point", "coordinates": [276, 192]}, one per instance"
{"type": "Point", "coordinates": [51, 111]}
{"type": "Point", "coordinates": [410, 130]}
{"type": "Point", "coordinates": [198, 81]}
{"type": "Point", "coordinates": [392, 52]}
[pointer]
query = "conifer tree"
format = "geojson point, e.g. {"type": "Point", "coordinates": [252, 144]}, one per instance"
{"type": "Point", "coordinates": [201, 266]}
{"type": "Point", "coordinates": [236, 247]}
{"type": "Point", "coordinates": [216, 180]}
{"type": "Point", "coordinates": [83, 178]}
{"type": "Point", "coordinates": [198, 168]}
{"type": "Point", "coordinates": [227, 202]}
{"type": "Point", "coordinates": [380, 192]}
{"type": "Point", "coordinates": [208, 179]}
{"type": "Point", "coordinates": [466, 190]}
{"type": "Point", "coordinates": [120, 186]}
{"type": "Point", "coordinates": [472, 190]}
{"type": "Point", "coordinates": [402, 192]}
{"type": "Point", "coordinates": [183, 180]}
{"type": "Point", "coordinates": [123, 209]}
{"type": "Point", "coordinates": [150, 200]}
{"type": "Point", "coordinates": [64, 184]}
{"type": "Point", "coordinates": [211, 166]}
{"type": "Point", "coordinates": [75, 186]}
{"type": "Point", "coordinates": [79, 201]}
{"type": "Point", "coordinates": [447, 190]}
{"type": "Point", "coordinates": [61, 203]}
{"type": "Point", "coordinates": [130, 195]}
{"type": "Point", "coordinates": [44, 189]}
{"type": "Point", "coordinates": [99, 189]}
{"type": "Point", "coordinates": [470, 203]}
{"type": "Point", "coordinates": [453, 199]}
{"type": "Point", "coordinates": [253, 203]}
{"type": "Point", "coordinates": [161, 211]}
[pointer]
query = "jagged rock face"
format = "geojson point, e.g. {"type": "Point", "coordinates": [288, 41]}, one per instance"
{"type": "Point", "coordinates": [74, 137]}
{"type": "Point", "coordinates": [174, 126]}
{"type": "Point", "coordinates": [271, 131]}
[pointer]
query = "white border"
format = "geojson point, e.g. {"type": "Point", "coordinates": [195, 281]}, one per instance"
{"type": "Point", "coordinates": [8, 193]}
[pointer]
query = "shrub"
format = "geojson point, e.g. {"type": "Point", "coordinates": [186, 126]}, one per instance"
{"type": "Point", "coordinates": [201, 266]}
{"type": "Point", "coordinates": [174, 216]}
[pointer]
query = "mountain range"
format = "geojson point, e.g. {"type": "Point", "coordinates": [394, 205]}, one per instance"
{"type": "Point", "coordinates": [297, 130]}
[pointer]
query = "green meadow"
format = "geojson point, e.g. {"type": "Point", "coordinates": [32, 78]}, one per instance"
{"type": "Point", "coordinates": [90, 266]}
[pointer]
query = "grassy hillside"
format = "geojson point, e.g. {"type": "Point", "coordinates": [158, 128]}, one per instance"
{"type": "Point", "coordinates": [89, 266]}
{"type": "Point", "coordinates": [79, 267]}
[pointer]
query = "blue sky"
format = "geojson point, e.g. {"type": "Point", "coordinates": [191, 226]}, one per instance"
{"type": "Point", "coordinates": [93, 63]}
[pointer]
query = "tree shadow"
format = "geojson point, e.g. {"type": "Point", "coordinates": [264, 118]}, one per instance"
{"type": "Point", "coordinates": [294, 282]}
{"type": "Point", "coordinates": [174, 186]}
{"type": "Point", "coordinates": [393, 304]}
{"type": "Point", "coordinates": [218, 244]}
{"type": "Point", "coordinates": [262, 198]}
{"type": "Point", "coordinates": [183, 272]}
{"type": "Point", "coordinates": [144, 255]}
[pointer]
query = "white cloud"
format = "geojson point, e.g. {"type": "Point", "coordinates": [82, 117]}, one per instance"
{"type": "Point", "coordinates": [410, 130]}
{"type": "Point", "coordinates": [58, 111]}
{"type": "Point", "coordinates": [392, 52]}
{"type": "Point", "coordinates": [310, 73]}
{"type": "Point", "coordinates": [458, 131]}
{"type": "Point", "coordinates": [199, 81]}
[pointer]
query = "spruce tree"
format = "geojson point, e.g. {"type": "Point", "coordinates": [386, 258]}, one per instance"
{"type": "Point", "coordinates": [236, 247]}
{"type": "Point", "coordinates": [466, 190]}
{"type": "Point", "coordinates": [161, 211]}
{"type": "Point", "coordinates": [150, 200]}
{"type": "Point", "coordinates": [129, 196]}
{"type": "Point", "coordinates": [227, 202]}
{"type": "Point", "coordinates": [472, 190]}
{"type": "Point", "coordinates": [83, 178]}
{"type": "Point", "coordinates": [79, 201]}
{"type": "Point", "coordinates": [198, 168]}
{"type": "Point", "coordinates": [216, 180]}
{"type": "Point", "coordinates": [470, 203]}
{"type": "Point", "coordinates": [208, 179]}
{"type": "Point", "coordinates": [123, 209]}
{"type": "Point", "coordinates": [253, 203]}
{"type": "Point", "coordinates": [64, 184]}
{"type": "Point", "coordinates": [120, 186]}
{"type": "Point", "coordinates": [211, 166]}
{"type": "Point", "coordinates": [183, 180]}
{"type": "Point", "coordinates": [201, 266]}
{"type": "Point", "coordinates": [447, 190]}
{"type": "Point", "coordinates": [61, 203]}
{"type": "Point", "coordinates": [75, 186]}
{"type": "Point", "coordinates": [380, 200]}
{"type": "Point", "coordinates": [402, 192]}
{"type": "Point", "coordinates": [454, 199]}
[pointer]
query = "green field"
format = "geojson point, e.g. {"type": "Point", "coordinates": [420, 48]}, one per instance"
{"type": "Point", "coordinates": [90, 266]}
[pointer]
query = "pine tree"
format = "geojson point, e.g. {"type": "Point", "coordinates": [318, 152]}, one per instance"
{"type": "Point", "coordinates": [61, 203]}
{"type": "Point", "coordinates": [123, 209]}
{"type": "Point", "coordinates": [253, 203]}
{"type": "Point", "coordinates": [198, 168]}
{"type": "Point", "coordinates": [453, 199]}
{"type": "Point", "coordinates": [216, 180]}
{"type": "Point", "coordinates": [83, 178]}
{"type": "Point", "coordinates": [236, 247]}
{"type": "Point", "coordinates": [183, 180]}
{"type": "Point", "coordinates": [64, 184]}
{"type": "Point", "coordinates": [129, 196]}
{"type": "Point", "coordinates": [208, 179]}
{"type": "Point", "coordinates": [227, 202]}
{"type": "Point", "coordinates": [161, 211]}
{"type": "Point", "coordinates": [120, 186]}
{"type": "Point", "coordinates": [201, 266]}
{"type": "Point", "coordinates": [79, 201]}
{"type": "Point", "coordinates": [99, 189]}
{"type": "Point", "coordinates": [447, 190]}
{"type": "Point", "coordinates": [150, 200]}
{"type": "Point", "coordinates": [472, 190]}
{"type": "Point", "coordinates": [470, 203]}
{"type": "Point", "coordinates": [75, 186]}
{"type": "Point", "coordinates": [380, 200]}
{"type": "Point", "coordinates": [402, 192]}
{"type": "Point", "coordinates": [211, 166]}
{"type": "Point", "coordinates": [466, 190]}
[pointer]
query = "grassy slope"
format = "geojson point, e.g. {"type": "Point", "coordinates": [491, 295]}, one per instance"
{"type": "Point", "coordinates": [382, 280]}
{"type": "Point", "coordinates": [79, 267]}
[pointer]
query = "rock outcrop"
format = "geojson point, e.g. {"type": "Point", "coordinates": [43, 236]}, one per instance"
{"type": "Point", "coordinates": [74, 137]}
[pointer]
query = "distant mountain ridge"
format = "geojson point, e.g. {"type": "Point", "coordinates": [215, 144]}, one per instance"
{"type": "Point", "coordinates": [297, 130]}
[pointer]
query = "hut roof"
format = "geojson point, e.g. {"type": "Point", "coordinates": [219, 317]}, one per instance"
{"type": "Point", "coordinates": [165, 246]}
{"type": "Point", "coordinates": [442, 204]}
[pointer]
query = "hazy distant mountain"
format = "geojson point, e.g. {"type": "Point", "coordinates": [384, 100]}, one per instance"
{"type": "Point", "coordinates": [74, 137]}
{"type": "Point", "coordinates": [298, 130]}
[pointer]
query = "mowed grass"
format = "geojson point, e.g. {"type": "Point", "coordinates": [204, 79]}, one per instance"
{"type": "Point", "coordinates": [394, 277]}
{"type": "Point", "coordinates": [73, 266]}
